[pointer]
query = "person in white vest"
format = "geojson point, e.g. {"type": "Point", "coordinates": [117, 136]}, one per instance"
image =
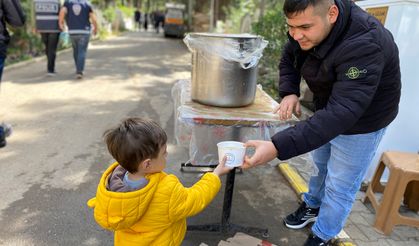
{"type": "Point", "coordinates": [79, 16]}
{"type": "Point", "coordinates": [46, 15]}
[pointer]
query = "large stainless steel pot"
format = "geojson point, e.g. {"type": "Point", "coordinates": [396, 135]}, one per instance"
{"type": "Point", "coordinates": [224, 68]}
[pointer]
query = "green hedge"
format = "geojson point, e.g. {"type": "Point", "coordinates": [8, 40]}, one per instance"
{"type": "Point", "coordinates": [272, 27]}
{"type": "Point", "coordinates": [25, 43]}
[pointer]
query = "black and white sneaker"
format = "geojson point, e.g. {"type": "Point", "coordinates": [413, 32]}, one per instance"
{"type": "Point", "coordinates": [314, 240]}
{"type": "Point", "coordinates": [2, 137]}
{"type": "Point", "coordinates": [301, 217]}
{"type": "Point", "coordinates": [79, 75]}
{"type": "Point", "coordinates": [5, 131]}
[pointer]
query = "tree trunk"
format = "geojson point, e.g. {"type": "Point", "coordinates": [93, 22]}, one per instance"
{"type": "Point", "coordinates": [222, 4]}
{"type": "Point", "coordinates": [262, 9]}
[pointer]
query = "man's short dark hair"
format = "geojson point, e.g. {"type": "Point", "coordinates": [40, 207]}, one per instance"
{"type": "Point", "coordinates": [292, 7]}
{"type": "Point", "coordinates": [133, 141]}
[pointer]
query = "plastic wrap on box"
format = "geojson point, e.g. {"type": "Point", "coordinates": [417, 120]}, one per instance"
{"type": "Point", "coordinates": [201, 127]}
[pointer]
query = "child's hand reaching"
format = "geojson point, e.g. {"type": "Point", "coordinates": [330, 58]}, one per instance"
{"type": "Point", "coordinates": [221, 169]}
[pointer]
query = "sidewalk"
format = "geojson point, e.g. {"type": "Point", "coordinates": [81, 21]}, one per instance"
{"type": "Point", "coordinates": [359, 228]}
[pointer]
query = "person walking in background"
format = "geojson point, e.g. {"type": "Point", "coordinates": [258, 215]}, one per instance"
{"type": "Point", "coordinates": [79, 16]}
{"type": "Point", "coordinates": [145, 23]}
{"type": "Point", "coordinates": [11, 12]}
{"type": "Point", "coordinates": [46, 15]}
{"type": "Point", "coordinates": [137, 18]}
{"type": "Point", "coordinates": [158, 20]}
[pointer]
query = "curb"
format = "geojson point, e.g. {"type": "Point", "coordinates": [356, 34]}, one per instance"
{"type": "Point", "coordinates": [300, 186]}
{"type": "Point", "coordinates": [295, 180]}
{"type": "Point", "coordinates": [41, 57]}
{"type": "Point", "coordinates": [32, 60]}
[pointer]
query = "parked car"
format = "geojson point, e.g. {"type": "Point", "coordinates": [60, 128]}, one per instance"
{"type": "Point", "coordinates": [174, 24]}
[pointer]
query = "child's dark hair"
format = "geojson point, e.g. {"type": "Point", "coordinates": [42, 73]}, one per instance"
{"type": "Point", "coordinates": [134, 140]}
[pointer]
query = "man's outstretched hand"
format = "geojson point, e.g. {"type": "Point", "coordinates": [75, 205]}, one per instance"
{"type": "Point", "coordinates": [265, 151]}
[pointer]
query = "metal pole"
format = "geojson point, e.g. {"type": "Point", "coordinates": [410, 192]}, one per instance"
{"type": "Point", "coordinates": [228, 193]}
{"type": "Point", "coordinates": [212, 16]}
{"type": "Point", "coordinates": [228, 199]}
{"type": "Point", "coordinates": [262, 9]}
{"type": "Point", "coordinates": [189, 15]}
{"type": "Point", "coordinates": [216, 14]}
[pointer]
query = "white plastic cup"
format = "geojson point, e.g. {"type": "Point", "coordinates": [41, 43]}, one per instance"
{"type": "Point", "coordinates": [234, 151]}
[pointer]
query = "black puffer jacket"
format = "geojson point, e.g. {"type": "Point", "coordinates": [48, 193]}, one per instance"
{"type": "Point", "coordinates": [354, 75]}
{"type": "Point", "coordinates": [10, 12]}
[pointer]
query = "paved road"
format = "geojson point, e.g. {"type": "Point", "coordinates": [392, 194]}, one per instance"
{"type": "Point", "coordinates": [54, 158]}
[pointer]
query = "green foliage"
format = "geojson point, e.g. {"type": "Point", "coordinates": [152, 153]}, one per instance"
{"type": "Point", "coordinates": [23, 44]}
{"type": "Point", "coordinates": [273, 28]}
{"type": "Point", "coordinates": [128, 12]}
{"type": "Point", "coordinates": [236, 12]}
{"type": "Point", "coordinates": [109, 14]}
{"type": "Point", "coordinates": [103, 33]}
{"type": "Point", "coordinates": [96, 2]}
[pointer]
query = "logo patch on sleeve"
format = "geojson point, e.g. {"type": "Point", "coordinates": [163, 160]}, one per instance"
{"type": "Point", "coordinates": [355, 73]}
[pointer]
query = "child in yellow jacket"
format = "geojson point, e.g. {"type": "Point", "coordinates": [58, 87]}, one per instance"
{"type": "Point", "coordinates": [136, 199]}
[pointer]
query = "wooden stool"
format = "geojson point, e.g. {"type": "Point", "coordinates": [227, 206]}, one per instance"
{"type": "Point", "coordinates": [403, 168]}
{"type": "Point", "coordinates": [411, 196]}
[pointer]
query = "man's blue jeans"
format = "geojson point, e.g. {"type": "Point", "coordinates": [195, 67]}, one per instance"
{"type": "Point", "coordinates": [341, 166]}
{"type": "Point", "coordinates": [79, 43]}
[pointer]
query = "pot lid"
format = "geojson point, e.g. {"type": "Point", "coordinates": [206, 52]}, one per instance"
{"type": "Point", "coordinates": [224, 35]}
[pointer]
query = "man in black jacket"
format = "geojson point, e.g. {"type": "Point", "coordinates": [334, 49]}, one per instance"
{"type": "Point", "coordinates": [11, 13]}
{"type": "Point", "coordinates": [350, 62]}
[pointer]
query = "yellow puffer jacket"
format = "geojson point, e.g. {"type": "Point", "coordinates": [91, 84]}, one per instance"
{"type": "Point", "coordinates": [155, 214]}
